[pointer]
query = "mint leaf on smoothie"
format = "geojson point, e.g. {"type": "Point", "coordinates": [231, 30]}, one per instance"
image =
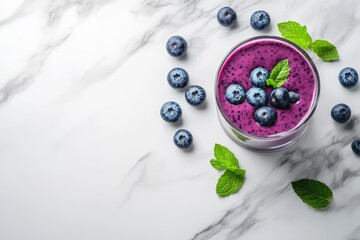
{"type": "Point", "coordinates": [279, 74]}
{"type": "Point", "coordinates": [233, 178]}
{"type": "Point", "coordinates": [325, 50]}
{"type": "Point", "coordinates": [312, 192]}
{"type": "Point", "coordinates": [295, 33]}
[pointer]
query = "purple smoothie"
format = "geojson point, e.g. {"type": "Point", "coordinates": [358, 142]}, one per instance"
{"type": "Point", "coordinates": [266, 53]}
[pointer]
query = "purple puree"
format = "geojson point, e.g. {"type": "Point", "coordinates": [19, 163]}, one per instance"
{"type": "Point", "coordinates": [266, 53]}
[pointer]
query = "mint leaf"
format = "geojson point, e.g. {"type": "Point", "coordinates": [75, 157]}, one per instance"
{"type": "Point", "coordinates": [229, 183]}
{"type": "Point", "coordinates": [217, 164]}
{"type": "Point", "coordinates": [279, 74]}
{"type": "Point", "coordinates": [295, 33]}
{"type": "Point", "coordinates": [313, 192]}
{"type": "Point", "coordinates": [325, 50]}
{"type": "Point", "coordinates": [233, 177]}
{"type": "Point", "coordinates": [224, 155]}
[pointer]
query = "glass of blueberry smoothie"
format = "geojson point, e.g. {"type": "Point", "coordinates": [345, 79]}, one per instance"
{"type": "Point", "coordinates": [266, 91]}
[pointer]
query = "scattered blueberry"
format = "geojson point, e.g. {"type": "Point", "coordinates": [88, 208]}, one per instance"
{"type": "Point", "coordinates": [280, 98]}
{"type": "Point", "coordinates": [178, 78]}
{"type": "Point", "coordinates": [226, 16]}
{"type": "Point", "coordinates": [171, 111]}
{"type": "Point", "coordinates": [256, 97]}
{"type": "Point", "coordinates": [294, 97]}
{"type": "Point", "coordinates": [259, 20]}
{"type": "Point", "coordinates": [348, 77]}
{"type": "Point", "coordinates": [258, 77]}
{"type": "Point", "coordinates": [235, 93]}
{"type": "Point", "coordinates": [341, 113]}
{"type": "Point", "coordinates": [195, 95]}
{"type": "Point", "coordinates": [176, 46]}
{"type": "Point", "coordinates": [356, 146]}
{"type": "Point", "coordinates": [183, 139]}
{"type": "Point", "coordinates": [265, 116]}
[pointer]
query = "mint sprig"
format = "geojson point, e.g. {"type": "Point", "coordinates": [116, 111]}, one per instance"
{"type": "Point", "coordinates": [312, 192]}
{"type": "Point", "coordinates": [298, 34]}
{"type": "Point", "coordinates": [279, 74]}
{"type": "Point", "coordinates": [233, 178]}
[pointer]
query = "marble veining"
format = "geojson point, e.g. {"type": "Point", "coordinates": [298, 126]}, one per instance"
{"type": "Point", "coordinates": [85, 154]}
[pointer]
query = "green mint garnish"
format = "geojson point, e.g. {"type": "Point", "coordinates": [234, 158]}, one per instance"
{"type": "Point", "coordinates": [298, 34]}
{"type": "Point", "coordinates": [233, 177]}
{"type": "Point", "coordinates": [279, 74]}
{"type": "Point", "coordinates": [325, 50]}
{"type": "Point", "coordinates": [312, 192]}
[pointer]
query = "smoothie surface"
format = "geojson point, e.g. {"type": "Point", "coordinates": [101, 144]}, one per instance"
{"type": "Point", "coordinates": [266, 53]}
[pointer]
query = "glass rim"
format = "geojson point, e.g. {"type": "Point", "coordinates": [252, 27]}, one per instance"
{"type": "Point", "coordinates": [309, 113]}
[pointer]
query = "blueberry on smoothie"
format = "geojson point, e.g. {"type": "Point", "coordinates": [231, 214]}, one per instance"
{"type": "Point", "coordinates": [176, 46]}
{"type": "Point", "coordinates": [226, 16]}
{"type": "Point", "coordinates": [235, 93]}
{"type": "Point", "coordinates": [256, 97]}
{"type": "Point", "coordinates": [280, 98]}
{"type": "Point", "coordinates": [258, 77]}
{"type": "Point", "coordinates": [259, 20]}
{"type": "Point", "coordinates": [341, 113]}
{"type": "Point", "coordinates": [183, 139]}
{"type": "Point", "coordinates": [195, 95]}
{"type": "Point", "coordinates": [348, 77]}
{"type": "Point", "coordinates": [294, 97]}
{"type": "Point", "coordinates": [265, 116]}
{"type": "Point", "coordinates": [178, 78]}
{"type": "Point", "coordinates": [171, 111]}
{"type": "Point", "coordinates": [355, 146]}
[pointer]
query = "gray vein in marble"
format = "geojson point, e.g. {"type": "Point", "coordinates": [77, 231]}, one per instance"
{"type": "Point", "coordinates": [189, 13]}
{"type": "Point", "coordinates": [55, 11]}
{"type": "Point", "coordinates": [107, 66]}
{"type": "Point", "coordinates": [355, 235]}
{"type": "Point", "coordinates": [137, 169]}
{"type": "Point", "coordinates": [348, 22]}
{"type": "Point", "coordinates": [33, 68]}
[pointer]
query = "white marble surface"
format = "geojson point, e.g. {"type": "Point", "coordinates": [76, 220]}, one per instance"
{"type": "Point", "coordinates": [85, 154]}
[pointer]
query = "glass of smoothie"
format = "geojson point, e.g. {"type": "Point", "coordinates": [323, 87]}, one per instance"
{"type": "Point", "coordinates": [238, 119]}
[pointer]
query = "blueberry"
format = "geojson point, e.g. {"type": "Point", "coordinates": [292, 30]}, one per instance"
{"type": "Point", "coordinates": [294, 97]}
{"type": "Point", "coordinates": [183, 139]}
{"type": "Point", "coordinates": [195, 95]}
{"type": "Point", "coordinates": [265, 116]}
{"type": "Point", "coordinates": [356, 146]}
{"type": "Point", "coordinates": [178, 78]}
{"type": "Point", "coordinates": [280, 98]}
{"type": "Point", "coordinates": [226, 16]}
{"type": "Point", "coordinates": [235, 93]}
{"type": "Point", "coordinates": [259, 20]}
{"type": "Point", "coordinates": [171, 111]}
{"type": "Point", "coordinates": [341, 113]}
{"type": "Point", "coordinates": [176, 46]}
{"type": "Point", "coordinates": [348, 77]}
{"type": "Point", "coordinates": [258, 77]}
{"type": "Point", "coordinates": [256, 97]}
